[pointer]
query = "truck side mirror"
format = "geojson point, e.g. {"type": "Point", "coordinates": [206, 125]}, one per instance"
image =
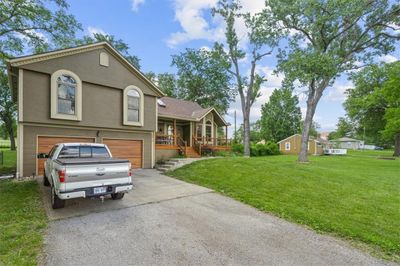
{"type": "Point", "coordinates": [42, 156]}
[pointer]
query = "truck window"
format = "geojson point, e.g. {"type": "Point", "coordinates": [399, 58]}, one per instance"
{"type": "Point", "coordinates": [85, 152]}
{"type": "Point", "coordinates": [69, 152]}
{"type": "Point", "coordinates": [100, 152]}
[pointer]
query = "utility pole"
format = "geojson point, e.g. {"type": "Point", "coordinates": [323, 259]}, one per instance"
{"type": "Point", "coordinates": [234, 134]}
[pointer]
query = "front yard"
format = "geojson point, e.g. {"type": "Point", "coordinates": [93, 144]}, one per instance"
{"type": "Point", "coordinates": [355, 197]}
{"type": "Point", "coordinates": [22, 222]}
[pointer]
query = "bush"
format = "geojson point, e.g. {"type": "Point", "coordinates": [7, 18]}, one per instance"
{"type": "Point", "coordinates": [237, 148]}
{"type": "Point", "coordinates": [269, 148]}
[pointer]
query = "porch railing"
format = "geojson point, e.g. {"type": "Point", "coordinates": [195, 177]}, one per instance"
{"type": "Point", "coordinates": [213, 141]}
{"type": "Point", "coordinates": [165, 139]}
{"type": "Point", "coordinates": [196, 145]}
{"type": "Point", "coordinates": [182, 145]}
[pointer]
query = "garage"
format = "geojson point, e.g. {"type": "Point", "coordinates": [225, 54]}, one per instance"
{"type": "Point", "coordinates": [45, 144]}
{"type": "Point", "coordinates": [126, 149]}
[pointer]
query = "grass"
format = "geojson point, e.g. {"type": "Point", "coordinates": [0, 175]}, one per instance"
{"type": "Point", "coordinates": [9, 162]}
{"type": "Point", "coordinates": [22, 222]}
{"type": "Point", "coordinates": [353, 197]}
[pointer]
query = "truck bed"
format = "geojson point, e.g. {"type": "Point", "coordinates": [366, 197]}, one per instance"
{"type": "Point", "coordinates": [81, 161]}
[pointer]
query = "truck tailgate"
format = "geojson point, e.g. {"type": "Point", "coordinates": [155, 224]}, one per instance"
{"type": "Point", "coordinates": [95, 173]}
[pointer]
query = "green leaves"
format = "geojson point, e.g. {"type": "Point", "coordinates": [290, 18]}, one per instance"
{"type": "Point", "coordinates": [280, 116]}
{"type": "Point", "coordinates": [203, 77]}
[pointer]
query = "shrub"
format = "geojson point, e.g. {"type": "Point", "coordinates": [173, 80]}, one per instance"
{"type": "Point", "coordinates": [237, 148]}
{"type": "Point", "coordinates": [269, 148]}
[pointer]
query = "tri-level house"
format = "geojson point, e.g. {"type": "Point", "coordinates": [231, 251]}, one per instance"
{"type": "Point", "coordinates": [91, 93]}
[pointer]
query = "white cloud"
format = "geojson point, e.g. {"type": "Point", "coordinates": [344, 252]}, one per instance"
{"type": "Point", "coordinates": [388, 58]}
{"type": "Point", "coordinates": [136, 4]}
{"type": "Point", "coordinates": [93, 30]}
{"type": "Point", "coordinates": [194, 19]}
{"type": "Point", "coordinates": [337, 93]}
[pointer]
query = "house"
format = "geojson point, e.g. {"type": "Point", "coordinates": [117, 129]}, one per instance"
{"type": "Point", "coordinates": [184, 127]}
{"type": "Point", "coordinates": [292, 145]}
{"type": "Point", "coordinates": [91, 93]}
{"type": "Point", "coordinates": [348, 143]}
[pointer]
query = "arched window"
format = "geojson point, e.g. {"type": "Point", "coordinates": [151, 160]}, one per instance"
{"type": "Point", "coordinates": [133, 106]}
{"type": "Point", "coordinates": [66, 95]}
{"type": "Point", "coordinates": [208, 129]}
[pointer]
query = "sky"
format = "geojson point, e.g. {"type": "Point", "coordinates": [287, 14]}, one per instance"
{"type": "Point", "coordinates": [157, 29]}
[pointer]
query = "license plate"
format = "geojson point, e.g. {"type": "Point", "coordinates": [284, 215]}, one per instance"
{"type": "Point", "coordinates": [99, 190]}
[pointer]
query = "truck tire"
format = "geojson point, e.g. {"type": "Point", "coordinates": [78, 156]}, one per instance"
{"type": "Point", "coordinates": [117, 196]}
{"type": "Point", "coordinates": [56, 202]}
{"type": "Point", "coordinates": [46, 182]}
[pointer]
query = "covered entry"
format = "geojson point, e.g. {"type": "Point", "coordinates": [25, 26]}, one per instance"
{"type": "Point", "coordinates": [126, 149]}
{"type": "Point", "coordinates": [45, 143]}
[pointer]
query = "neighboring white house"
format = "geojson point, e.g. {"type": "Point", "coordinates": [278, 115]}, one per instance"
{"type": "Point", "coordinates": [348, 143]}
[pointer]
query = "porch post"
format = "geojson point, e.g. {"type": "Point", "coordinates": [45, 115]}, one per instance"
{"type": "Point", "coordinates": [226, 135]}
{"type": "Point", "coordinates": [174, 131]}
{"type": "Point", "coordinates": [191, 134]}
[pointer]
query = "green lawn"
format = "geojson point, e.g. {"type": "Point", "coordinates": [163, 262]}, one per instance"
{"type": "Point", "coordinates": [22, 222]}
{"type": "Point", "coordinates": [9, 161]}
{"type": "Point", "coordinates": [354, 197]}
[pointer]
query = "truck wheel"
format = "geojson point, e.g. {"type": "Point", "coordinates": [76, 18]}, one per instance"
{"type": "Point", "coordinates": [56, 202]}
{"type": "Point", "coordinates": [46, 182]}
{"type": "Point", "coordinates": [117, 196]}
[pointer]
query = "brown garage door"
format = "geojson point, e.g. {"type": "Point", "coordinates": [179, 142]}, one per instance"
{"type": "Point", "coordinates": [126, 149]}
{"type": "Point", "coordinates": [46, 143]}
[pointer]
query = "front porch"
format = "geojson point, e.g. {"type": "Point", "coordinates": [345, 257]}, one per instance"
{"type": "Point", "coordinates": [191, 138]}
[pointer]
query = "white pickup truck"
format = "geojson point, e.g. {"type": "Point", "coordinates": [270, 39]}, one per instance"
{"type": "Point", "coordinates": [82, 170]}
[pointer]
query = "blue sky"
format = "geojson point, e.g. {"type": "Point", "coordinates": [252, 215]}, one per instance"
{"type": "Point", "coordinates": [157, 29]}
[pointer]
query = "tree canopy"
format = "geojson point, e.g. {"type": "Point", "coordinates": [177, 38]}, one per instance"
{"type": "Point", "coordinates": [280, 116]}
{"type": "Point", "coordinates": [374, 103]}
{"type": "Point", "coordinates": [203, 77]}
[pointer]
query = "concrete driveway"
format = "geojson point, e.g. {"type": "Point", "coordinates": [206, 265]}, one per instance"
{"type": "Point", "coordinates": [164, 221]}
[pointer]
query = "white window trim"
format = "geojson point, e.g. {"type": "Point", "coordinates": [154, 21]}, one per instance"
{"type": "Point", "coordinates": [54, 94]}
{"type": "Point", "coordinates": [287, 147]}
{"type": "Point", "coordinates": [141, 107]}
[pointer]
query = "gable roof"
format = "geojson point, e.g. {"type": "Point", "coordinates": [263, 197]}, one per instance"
{"type": "Point", "coordinates": [186, 110]}
{"type": "Point", "coordinates": [309, 139]}
{"type": "Point", "coordinates": [23, 60]}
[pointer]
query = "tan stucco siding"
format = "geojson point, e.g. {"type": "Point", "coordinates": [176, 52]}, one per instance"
{"type": "Point", "coordinates": [31, 133]}
{"type": "Point", "coordinates": [101, 105]}
{"type": "Point", "coordinates": [87, 66]}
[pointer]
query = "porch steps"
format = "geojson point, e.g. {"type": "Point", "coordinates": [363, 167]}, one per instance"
{"type": "Point", "coordinates": [191, 153]}
{"type": "Point", "coordinates": [170, 164]}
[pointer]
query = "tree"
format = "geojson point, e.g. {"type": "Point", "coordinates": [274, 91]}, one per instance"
{"type": "Point", "coordinates": [344, 129]}
{"type": "Point", "coordinates": [374, 102]}
{"type": "Point", "coordinates": [365, 104]}
{"type": "Point", "coordinates": [118, 44]}
{"type": "Point", "coordinates": [166, 82]}
{"type": "Point", "coordinates": [203, 77]}
{"type": "Point", "coordinates": [262, 36]}
{"type": "Point", "coordinates": [29, 24]}
{"type": "Point", "coordinates": [280, 116]}
{"type": "Point", "coordinates": [328, 38]}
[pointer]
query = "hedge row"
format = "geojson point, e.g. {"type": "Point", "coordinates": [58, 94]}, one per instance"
{"type": "Point", "coordinates": [269, 148]}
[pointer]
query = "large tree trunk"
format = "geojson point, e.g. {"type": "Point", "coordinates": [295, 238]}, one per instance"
{"type": "Point", "coordinates": [397, 145]}
{"type": "Point", "coordinates": [314, 95]}
{"type": "Point", "coordinates": [246, 133]}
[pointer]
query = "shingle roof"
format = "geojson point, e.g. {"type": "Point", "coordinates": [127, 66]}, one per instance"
{"type": "Point", "coordinates": [181, 108]}
{"type": "Point", "coordinates": [177, 108]}
{"type": "Point", "coordinates": [345, 139]}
